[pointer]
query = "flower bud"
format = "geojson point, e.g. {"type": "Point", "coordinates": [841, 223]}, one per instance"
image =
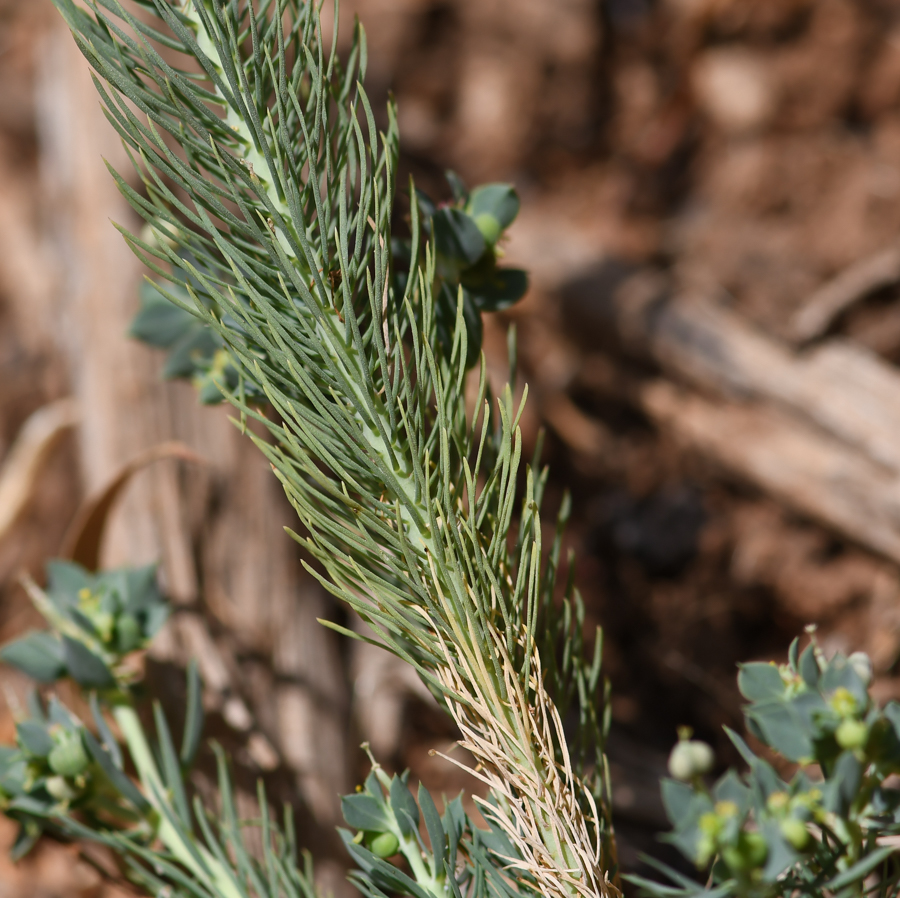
{"type": "Point", "coordinates": [690, 758]}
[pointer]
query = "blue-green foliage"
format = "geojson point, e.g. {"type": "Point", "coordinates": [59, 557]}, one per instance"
{"type": "Point", "coordinates": [96, 620]}
{"type": "Point", "coordinates": [386, 836]}
{"type": "Point", "coordinates": [58, 766]}
{"type": "Point", "coordinates": [268, 193]}
{"type": "Point", "coordinates": [70, 779]}
{"type": "Point", "coordinates": [824, 828]}
{"type": "Point", "coordinates": [467, 235]}
{"type": "Point", "coordinates": [195, 352]}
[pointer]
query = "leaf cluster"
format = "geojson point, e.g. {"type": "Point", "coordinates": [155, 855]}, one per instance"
{"type": "Point", "coordinates": [830, 828]}
{"type": "Point", "coordinates": [56, 768]}
{"type": "Point", "coordinates": [97, 620]}
{"type": "Point", "coordinates": [467, 236]}
{"type": "Point", "coordinates": [269, 191]}
{"type": "Point", "coordinates": [458, 859]}
{"type": "Point", "coordinates": [59, 767]}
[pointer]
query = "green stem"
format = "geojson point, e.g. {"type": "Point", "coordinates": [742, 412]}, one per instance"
{"type": "Point", "coordinates": [183, 846]}
{"type": "Point", "coordinates": [332, 332]}
{"type": "Point", "coordinates": [409, 845]}
{"type": "Point", "coordinates": [432, 884]}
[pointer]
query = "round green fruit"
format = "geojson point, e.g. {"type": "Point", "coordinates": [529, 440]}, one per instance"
{"type": "Point", "coordinates": [748, 854]}
{"type": "Point", "coordinates": [851, 734]}
{"type": "Point", "coordinates": [68, 757]}
{"type": "Point", "coordinates": [384, 845]}
{"type": "Point", "coordinates": [795, 833]}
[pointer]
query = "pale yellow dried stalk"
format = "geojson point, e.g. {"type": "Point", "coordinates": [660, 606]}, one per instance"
{"type": "Point", "coordinates": [513, 735]}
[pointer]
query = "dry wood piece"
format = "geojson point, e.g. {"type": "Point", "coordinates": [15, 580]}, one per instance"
{"type": "Point", "coordinates": [790, 460]}
{"type": "Point", "coordinates": [836, 296]}
{"type": "Point", "coordinates": [819, 430]}
{"type": "Point", "coordinates": [839, 387]}
{"type": "Point", "coordinates": [25, 460]}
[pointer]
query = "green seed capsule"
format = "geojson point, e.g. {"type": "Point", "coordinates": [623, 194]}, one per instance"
{"type": "Point", "coordinates": [384, 845]}
{"type": "Point", "coordinates": [128, 634]}
{"type": "Point", "coordinates": [749, 853]}
{"type": "Point", "coordinates": [68, 758]}
{"type": "Point", "coordinates": [795, 833]}
{"type": "Point", "coordinates": [851, 734]}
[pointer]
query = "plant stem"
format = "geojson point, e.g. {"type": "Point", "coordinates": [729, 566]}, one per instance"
{"type": "Point", "coordinates": [185, 849]}
{"type": "Point", "coordinates": [374, 422]}
{"type": "Point", "coordinates": [333, 330]}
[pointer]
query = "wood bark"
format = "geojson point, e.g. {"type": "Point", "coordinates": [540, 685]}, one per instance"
{"type": "Point", "coordinates": [812, 472]}
{"type": "Point", "coordinates": [819, 430]}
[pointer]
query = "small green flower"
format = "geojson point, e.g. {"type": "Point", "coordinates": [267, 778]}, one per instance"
{"type": "Point", "coordinates": [844, 702]}
{"type": "Point", "coordinates": [710, 824]}
{"type": "Point", "coordinates": [91, 605]}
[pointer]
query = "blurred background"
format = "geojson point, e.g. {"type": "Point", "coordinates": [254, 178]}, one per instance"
{"type": "Point", "coordinates": [710, 215]}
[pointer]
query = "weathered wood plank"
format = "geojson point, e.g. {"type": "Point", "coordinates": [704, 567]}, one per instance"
{"type": "Point", "coordinates": [788, 459]}
{"type": "Point", "coordinates": [841, 388]}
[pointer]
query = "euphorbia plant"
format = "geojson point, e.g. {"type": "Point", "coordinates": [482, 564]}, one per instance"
{"type": "Point", "coordinates": [268, 195]}
{"type": "Point", "coordinates": [818, 810]}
